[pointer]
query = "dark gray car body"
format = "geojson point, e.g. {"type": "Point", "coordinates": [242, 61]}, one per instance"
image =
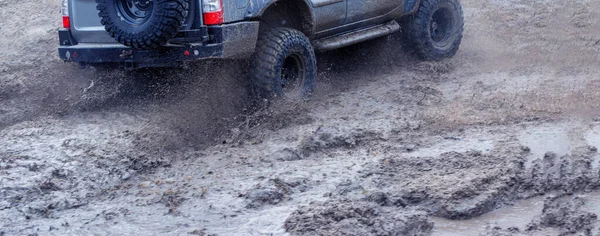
{"type": "Point", "coordinates": [235, 38]}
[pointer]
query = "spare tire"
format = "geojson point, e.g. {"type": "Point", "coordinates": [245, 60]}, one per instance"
{"type": "Point", "coordinates": [143, 24]}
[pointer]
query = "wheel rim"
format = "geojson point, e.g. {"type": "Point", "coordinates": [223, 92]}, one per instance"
{"type": "Point", "coordinates": [135, 12]}
{"type": "Point", "coordinates": [442, 22]}
{"type": "Point", "coordinates": [293, 76]}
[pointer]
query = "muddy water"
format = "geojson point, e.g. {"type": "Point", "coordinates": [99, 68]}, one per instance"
{"type": "Point", "coordinates": [543, 139]}
{"type": "Point", "coordinates": [593, 136]}
{"type": "Point", "coordinates": [483, 145]}
{"type": "Point", "coordinates": [518, 215]}
{"type": "Point", "coordinates": [560, 138]}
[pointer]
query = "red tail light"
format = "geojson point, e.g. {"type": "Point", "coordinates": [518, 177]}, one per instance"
{"type": "Point", "coordinates": [212, 12]}
{"type": "Point", "coordinates": [65, 14]}
{"type": "Point", "coordinates": [213, 18]}
{"type": "Point", "coordinates": [66, 22]}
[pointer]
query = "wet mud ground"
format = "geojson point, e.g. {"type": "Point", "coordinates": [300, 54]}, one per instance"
{"type": "Point", "coordinates": [500, 140]}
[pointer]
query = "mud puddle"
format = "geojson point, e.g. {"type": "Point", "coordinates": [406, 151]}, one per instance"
{"type": "Point", "coordinates": [451, 144]}
{"type": "Point", "coordinates": [517, 215]}
{"type": "Point", "coordinates": [473, 140]}
{"type": "Point", "coordinates": [559, 138]}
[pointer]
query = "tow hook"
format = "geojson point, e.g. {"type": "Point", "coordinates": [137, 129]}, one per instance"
{"type": "Point", "coordinates": [126, 54]}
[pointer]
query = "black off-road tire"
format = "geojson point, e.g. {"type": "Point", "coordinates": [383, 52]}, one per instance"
{"type": "Point", "coordinates": [164, 19]}
{"type": "Point", "coordinates": [435, 31]}
{"type": "Point", "coordinates": [278, 52]}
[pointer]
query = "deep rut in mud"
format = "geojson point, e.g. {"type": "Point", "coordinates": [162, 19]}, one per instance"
{"type": "Point", "coordinates": [500, 140]}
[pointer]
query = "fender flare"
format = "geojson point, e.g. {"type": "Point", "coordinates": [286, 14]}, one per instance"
{"type": "Point", "coordinates": [254, 11]}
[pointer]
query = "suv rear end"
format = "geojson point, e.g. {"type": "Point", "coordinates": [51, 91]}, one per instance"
{"type": "Point", "coordinates": [202, 34]}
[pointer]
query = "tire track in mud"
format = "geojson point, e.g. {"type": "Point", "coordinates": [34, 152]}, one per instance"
{"type": "Point", "coordinates": [458, 186]}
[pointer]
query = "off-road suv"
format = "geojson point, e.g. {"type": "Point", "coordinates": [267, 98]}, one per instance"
{"type": "Point", "coordinates": [279, 36]}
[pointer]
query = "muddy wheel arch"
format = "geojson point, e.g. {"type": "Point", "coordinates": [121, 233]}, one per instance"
{"type": "Point", "coordinates": [274, 10]}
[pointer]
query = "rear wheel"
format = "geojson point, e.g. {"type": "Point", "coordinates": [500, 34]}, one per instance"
{"type": "Point", "coordinates": [284, 65]}
{"type": "Point", "coordinates": [435, 31]}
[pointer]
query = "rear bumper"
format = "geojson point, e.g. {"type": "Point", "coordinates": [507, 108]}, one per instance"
{"type": "Point", "coordinates": [237, 40]}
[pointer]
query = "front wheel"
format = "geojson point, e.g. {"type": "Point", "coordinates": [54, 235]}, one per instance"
{"type": "Point", "coordinates": [435, 31]}
{"type": "Point", "coordinates": [284, 65]}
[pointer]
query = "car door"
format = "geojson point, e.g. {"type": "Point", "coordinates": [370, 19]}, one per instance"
{"type": "Point", "coordinates": [329, 13]}
{"type": "Point", "coordinates": [359, 10]}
